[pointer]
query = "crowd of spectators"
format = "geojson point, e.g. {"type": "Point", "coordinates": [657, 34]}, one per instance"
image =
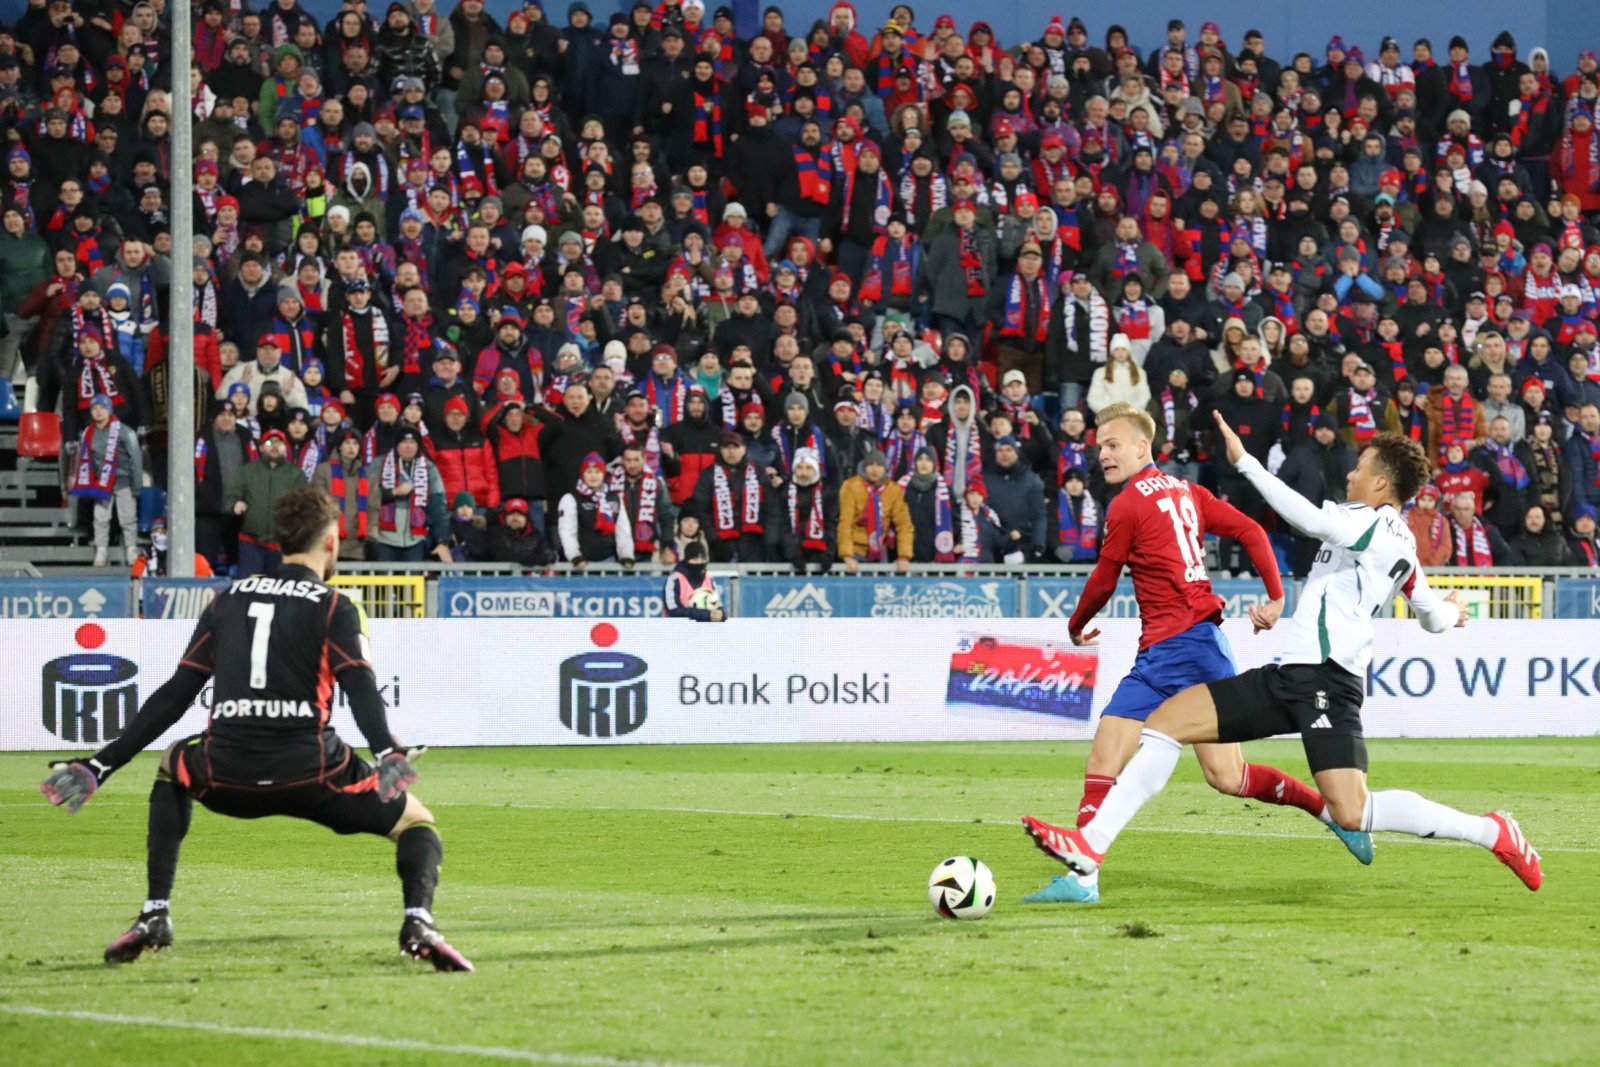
{"type": "Point", "coordinates": [820, 295]}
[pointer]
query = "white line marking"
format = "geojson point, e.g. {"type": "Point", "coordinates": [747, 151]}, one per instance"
{"type": "Point", "coordinates": [353, 1040]}
{"type": "Point", "coordinates": [986, 820]}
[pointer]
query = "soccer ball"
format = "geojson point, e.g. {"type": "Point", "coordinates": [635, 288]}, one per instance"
{"type": "Point", "coordinates": [961, 888]}
{"type": "Point", "coordinates": [707, 599]}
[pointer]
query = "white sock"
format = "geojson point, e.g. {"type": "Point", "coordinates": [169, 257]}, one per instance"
{"type": "Point", "coordinates": [1324, 816]}
{"type": "Point", "coordinates": [155, 905]}
{"type": "Point", "coordinates": [1404, 812]}
{"type": "Point", "coordinates": [419, 913]}
{"type": "Point", "coordinates": [1144, 776]}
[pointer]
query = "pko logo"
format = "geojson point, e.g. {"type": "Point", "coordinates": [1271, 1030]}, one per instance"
{"type": "Point", "coordinates": [89, 697]}
{"type": "Point", "coordinates": [604, 694]}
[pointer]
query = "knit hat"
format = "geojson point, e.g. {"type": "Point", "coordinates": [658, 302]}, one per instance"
{"type": "Point", "coordinates": [730, 439]}
{"type": "Point", "coordinates": [103, 401]}
{"type": "Point", "coordinates": [796, 400]}
{"type": "Point", "coordinates": [593, 459]}
{"type": "Point", "coordinates": [806, 457]}
{"type": "Point", "coordinates": [457, 404]}
{"type": "Point", "coordinates": [463, 500]}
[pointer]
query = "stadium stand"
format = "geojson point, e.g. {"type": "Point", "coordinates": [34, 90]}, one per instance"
{"type": "Point", "coordinates": [642, 279]}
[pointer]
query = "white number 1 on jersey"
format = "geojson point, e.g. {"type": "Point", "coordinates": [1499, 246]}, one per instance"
{"type": "Point", "coordinates": [1186, 528]}
{"type": "Point", "coordinates": [262, 614]}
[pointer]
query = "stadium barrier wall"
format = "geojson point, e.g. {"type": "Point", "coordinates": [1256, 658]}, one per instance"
{"type": "Point", "coordinates": [752, 593]}
{"type": "Point", "coordinates": [654, 681]}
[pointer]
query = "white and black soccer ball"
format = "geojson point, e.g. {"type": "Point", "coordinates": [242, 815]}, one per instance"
{"type": "Point", "coordinates": [961, 888]}
{"type": "Point", "coordinates": [706, 599]}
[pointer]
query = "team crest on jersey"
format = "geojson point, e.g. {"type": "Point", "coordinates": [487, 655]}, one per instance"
{"type": "Point", "coordinates": [1322, 700]}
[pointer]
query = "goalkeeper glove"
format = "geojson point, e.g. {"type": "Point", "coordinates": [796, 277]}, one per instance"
{"type": "Point", "coordinates": [72, 783]}
{"type": "Point", "coordinates": [395, 773]}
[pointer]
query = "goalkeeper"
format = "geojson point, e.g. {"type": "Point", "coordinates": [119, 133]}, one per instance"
{"type": "Point", "coordinates": [273, 646]}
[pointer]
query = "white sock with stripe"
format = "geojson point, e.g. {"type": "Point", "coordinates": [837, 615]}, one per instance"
{"type": "Point", "coordinates": [1144, 776]}
{"type": "Point", "coordinates": [1401, 811]}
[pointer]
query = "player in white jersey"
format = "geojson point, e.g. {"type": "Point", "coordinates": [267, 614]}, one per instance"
{"type": "Point", "coordinates": [1367, 557]}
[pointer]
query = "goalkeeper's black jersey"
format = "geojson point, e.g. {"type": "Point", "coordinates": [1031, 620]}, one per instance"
{"type": "Point", "coordinates": [274, 646]}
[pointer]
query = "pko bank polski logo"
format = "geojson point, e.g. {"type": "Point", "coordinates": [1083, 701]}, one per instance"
{"type": "Point", "coordinates": [89, 697]}
{"type": "Point", "coordinates": [604, 693]}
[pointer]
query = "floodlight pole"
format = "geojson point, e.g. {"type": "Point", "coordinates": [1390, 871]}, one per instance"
{"type": "Point", "coordinates": [180, 320]}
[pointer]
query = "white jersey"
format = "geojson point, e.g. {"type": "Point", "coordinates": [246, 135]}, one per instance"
{"type": "Point", "coordinates": [1367, 558]}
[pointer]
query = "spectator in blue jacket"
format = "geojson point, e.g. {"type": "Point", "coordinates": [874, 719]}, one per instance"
{"type": "Point", "coordinates": [1017, 497]}
{"type": "Point", "coordinates": [1582, 453]}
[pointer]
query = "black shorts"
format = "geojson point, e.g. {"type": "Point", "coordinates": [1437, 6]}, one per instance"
{"type": "Point", "coordinates": [345, 799]}
{"type": "Point", "coordinates": [1319, 701]}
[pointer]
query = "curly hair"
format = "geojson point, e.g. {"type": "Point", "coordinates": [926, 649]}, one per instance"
{"type": "Point", "coordinates": [301, 516]}
{"type": "Point", "coordinates": [1404, 461]}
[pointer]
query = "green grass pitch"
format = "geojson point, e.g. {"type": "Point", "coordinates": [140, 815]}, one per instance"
{"type": "Point", "coordinates": [766, 905]}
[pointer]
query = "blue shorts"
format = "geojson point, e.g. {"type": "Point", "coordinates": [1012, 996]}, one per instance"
{"type": "Point", "coordinates": [1199, 654]}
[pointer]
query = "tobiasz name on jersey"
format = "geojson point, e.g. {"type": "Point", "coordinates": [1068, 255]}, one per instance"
{"type": "Point", "coordinates": [265, 586]}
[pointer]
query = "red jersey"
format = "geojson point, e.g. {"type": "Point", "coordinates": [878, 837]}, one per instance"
{"type": "Point", "coordinates": [1156, 527]}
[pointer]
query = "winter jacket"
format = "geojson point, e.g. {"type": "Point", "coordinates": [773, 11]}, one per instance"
{"type": "Point", "coordinates": [853, 536]}
{"type": "Point", "coordinates": [694, 443]}
{"type": "Point", "coordinates": [526, 549]}
{"type": "Point", "coordinates": [259, 484]}
{"type": "Point", "coordinates": [564, 442]}
{"type": "Point", "coordinates": [946, 281]}
{"type": "Point", "coordinates": [1017, 496]}
{"type": "Point", "coordinates": [518, 465]}
{"type": "Point", "coordinates": [24, 263]}
{"type": "Point", "coordinates": [467, 463]}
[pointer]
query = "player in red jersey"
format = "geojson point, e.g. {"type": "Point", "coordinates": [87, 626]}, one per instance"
{"type": "Point", "coordinates": [1155, 527]}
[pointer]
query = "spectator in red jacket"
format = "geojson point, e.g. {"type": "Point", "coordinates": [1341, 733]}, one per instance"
{"type": "Point", "coordinates": [465, 460]}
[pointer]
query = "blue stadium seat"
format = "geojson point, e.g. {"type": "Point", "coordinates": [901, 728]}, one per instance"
{"type": "Point", "coordinates": [10, 410]}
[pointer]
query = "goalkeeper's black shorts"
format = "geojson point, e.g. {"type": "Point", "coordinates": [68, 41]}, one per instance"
{"type": "Point", "coordinates": [344, 798]}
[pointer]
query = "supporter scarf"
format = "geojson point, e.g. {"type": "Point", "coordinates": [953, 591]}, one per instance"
{"type": "Point", "coordinates": [708, 118]}
{"type": "Point", "coordinates": [1099, 324]}
{"type": "Point", "coordinates": [644, 523]}
{"type": "Point", "coordinates": [88, 251]}
{"type": "Point", "coordinates": [1472, 547]}
{"type": "Point", "coordinates": [1019, 295]}
{"type": "Point", "coordinates": [1512, 469]}
{"type": "Point", "coordinates": [1283, 310]}
{"type": "Point", "coordinates": [605, 514]}
{"type": "Point", "coordinates": [872, 519]}
{"type": "Point", "coordinates": [1456, 418]}
{"type": "Point", "coordinates": [96, 377]}
{"type": "Point", "coordinates": [943, 519]}
{"type": "Point", "coordinates": [971, 539]}
{"type": "Point", "coordinates": [338, 486]}
{"type": "Point", "coordinates": [648, 438]}
{"type": "Point", "coordinates": [729, 526]}
{"type": "Point", "coordinates": [1075, 454]}
{"type": "Point", "coordinates": [1590, 557]}
{"type": "Point", "coordinates": [895, 262]}
{"type": "Point", "coordinates": [202, 455]}
{"type": "Point", "coordinates": [1359, 417]}
{"type": "Point", "coordinates": [667, 396]}
{"type": "Point", "coordinates": [1527, 107]}
{"type": "Point", "coordinates": [205, 303]}
{"type": "Point", "coordinates": [306, 455]}
{"type": "Point", "coordinates": [972, 262]}
{"type": "Point", "coordinates": [972, 462]}
{"type": "Point", "coordinates": [816, 176]}
{"type": "Point", "coordinates": [355, 367]}
{"type": "Point", "coordinates": [875, 420]}
{"type": "Point", "coordinates": [881, 206]}
{"type": "Point", "coordinates": [1080, 532]}
{"type": "Point", "coordinates": [1413, 422]}
{"type": "Point", "coordinates": [92, 483]}
{"type": "Point", "coordinates": [625, 55]}
{"type": "Point", "coordinates": [699, 210]}
{"type": "Point", "coordinates": [813, 535]}
{"type": "Point", "coordinates": [1461, 81]}
{"type": "Point", "coordinates": [1288, 415]}
{"type": "Point", "coordinates": [901, 452]}
{"type": "Point", "coordinates": [1133, 319]}
{"type": "Point", "coordinates": [1569, 155]}
{"type": "Point", "coordinates": [468, 167]}
{"type": "Point", "coordinates": [389, 477]}
{"type": "Point", "coordinates": [1169, 417]}
{"type": "Point", "coordinates": [788, 443]}
{"type": "Point", "coordinates": [418, 341]}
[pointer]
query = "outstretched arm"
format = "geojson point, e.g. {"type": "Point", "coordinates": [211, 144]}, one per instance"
{"type": "Point", "coordinates": [1340, 529]}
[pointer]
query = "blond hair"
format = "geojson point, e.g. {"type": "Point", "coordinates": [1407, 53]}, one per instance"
{"type": "Point", "coordinates": [1140, 420]}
